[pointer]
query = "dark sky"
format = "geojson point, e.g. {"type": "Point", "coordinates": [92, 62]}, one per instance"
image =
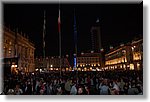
{"type": "Point", "coordinates": [119, 23]}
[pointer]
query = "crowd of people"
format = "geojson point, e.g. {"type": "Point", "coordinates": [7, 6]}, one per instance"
{"type": "Point", "coordinates": [75, 83]}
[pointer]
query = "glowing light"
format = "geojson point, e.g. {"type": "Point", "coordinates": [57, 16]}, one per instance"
{"type": "Point", "coordinates": [67, 69]}
{"type": "Point", "coordinates": [131, 66]}
{"type": "Point", "coordinates": [138, 64]}
{"type": "Point", "coordinates": [36, 69]}
{"type": "Point", "coordinates": [92, 51]}
{"type": "Point", "coordinates": [12, 65]}
{"type": "Point", "coordinates": [51, 65]}
{"type": "Point", "coordinates": [82, 53]}
{"type": "Point", "coordinates": [124, 66]}
{"type": "Point", "coordinates": [132, 48]}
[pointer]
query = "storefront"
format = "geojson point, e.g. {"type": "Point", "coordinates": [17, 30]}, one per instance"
{"type": "Point", "coordinates": [10, 66]}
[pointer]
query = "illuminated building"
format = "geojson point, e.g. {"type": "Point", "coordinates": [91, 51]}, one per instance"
{"type": "Point", "coordinates": [18, 52]}
{"type": "Point", "coordinates": [125, 57]}
{"type": "Point", "coordinates": [137, 50]}
{"type": "Point", "coordinates": [52, 63]}
{"type": "Point", "coordinates": [88, 61]}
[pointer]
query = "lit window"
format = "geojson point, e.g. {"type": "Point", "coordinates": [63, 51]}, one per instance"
{"type": "Point", "coordinates": [124, 66]}
{"type": "Point", "coordinates": [131, 66]}
{"type": "Point", "coordinates": [9, 51]}
{"type": "Point", "coordinates": [132, 48]}
{"type": "Point", "coordinates": [10, 43]}
{"type": "Point", "coordinates": [138, 66]}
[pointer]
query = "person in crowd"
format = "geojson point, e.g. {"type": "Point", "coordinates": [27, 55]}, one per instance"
{"type": "Point", "coordinates": [115, 90]}
{"type": "Point", "coordinates": [60, 91]}
{"type": "Point", "coordinates": [80, 91]}
{"type": "Point", "coordinates": [10, 92]}
{"type": "Point", "coordinates": [68, 86]}
{"type": "Point", "coordinates": [17, 90]}
{"type": "Point", "coordinates": [121, 85]}
{"type": "Point", "coordinates": [73, 89]}
{"type": "Point", "coordinates": [104, 89]}
{"type": "Point", "coordinates": [125, 88]}
{"type": "Point", "coordinates": [133, 90]}
{"type": "Point", "coordinates": [87, 90]}
{"type": "Point", "coordinates": [28, 89]}
{"type": "Point", "coordinates": [49, 89]}
{"type": "Point", "coordinates": [72, 83]}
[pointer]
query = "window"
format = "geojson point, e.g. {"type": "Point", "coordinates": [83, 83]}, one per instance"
{"type": "Point", "coordinates": [9, 51]}
{"type": "Point", "coordinates": [5, 41]}
{"type": "Point", "coordinates": [10, 42]}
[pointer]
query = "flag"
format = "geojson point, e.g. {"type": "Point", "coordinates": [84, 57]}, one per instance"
{"type": "Point", "coordinates": [59, 22]}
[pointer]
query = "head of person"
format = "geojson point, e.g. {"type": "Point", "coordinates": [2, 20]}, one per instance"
{"type": "Point", "coordinates": [80, 90]}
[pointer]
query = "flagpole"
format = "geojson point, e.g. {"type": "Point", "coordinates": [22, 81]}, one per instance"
{"type": "Point", "coordinates": [75, 41]}
{"type": "Point", "coordinates": [44, 32]}
{"type": "Point", "coordinates": [59, 28]}
{"type": "Point", "coordinates": [75, 37]}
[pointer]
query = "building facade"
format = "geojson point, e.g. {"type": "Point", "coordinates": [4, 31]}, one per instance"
{"type": "Point", "coordinates": [88, 62]}
{"type": "Point", "coordinates": [52, 64]}
{"type": "Point", "coordinates": [17, 46]}
{"type": "Point", "coordinates": [137, 50]}
{"type": "Point", "coordinates": [125, 57]}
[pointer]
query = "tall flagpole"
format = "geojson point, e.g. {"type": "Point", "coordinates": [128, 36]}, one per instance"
{"type": "Point", "coordinates": [44, 32]}
{"type": "Point", "coordinates": [75, 41]}
{"type": "Point", "coordinates": [59, 29]}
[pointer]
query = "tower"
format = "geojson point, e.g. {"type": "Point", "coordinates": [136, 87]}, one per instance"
{"type": "Point", "coordinates": [96, 37]}
{"type": "Point", "coordinates": [96, 41]}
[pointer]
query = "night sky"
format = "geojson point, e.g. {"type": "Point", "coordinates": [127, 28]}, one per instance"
{"type": "Point", "coordinates": [119, 23]}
